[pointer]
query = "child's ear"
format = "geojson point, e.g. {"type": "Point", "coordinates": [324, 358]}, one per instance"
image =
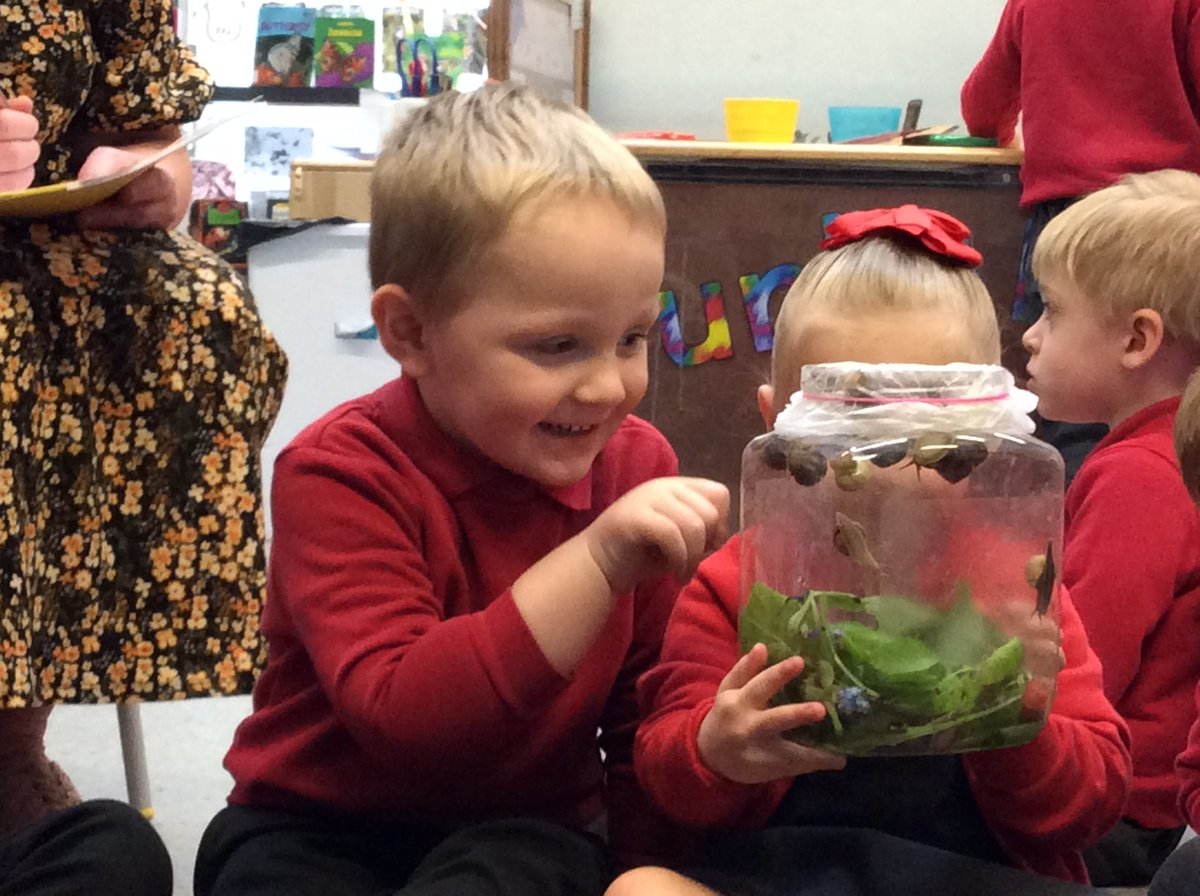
{"type": "Point", "coordinates": [766, 404]}
{"type": "Point", "coordinates": [401, 330]}
{"type": "Point", "coordinates": [1143, 338]}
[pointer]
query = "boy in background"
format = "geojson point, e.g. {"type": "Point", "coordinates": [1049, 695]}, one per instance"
{"type": "Point", "coordinates": [1180, 872]}
{"type": "Point", "coordinates": [472, 565]}
{"type": "Point", "coordinates": [1102, 88]}
{"type": "Point", "coordinates": [1117, 339]}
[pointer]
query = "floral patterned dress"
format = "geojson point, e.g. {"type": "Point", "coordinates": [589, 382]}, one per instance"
{"type": "Point", "coordinates": [137, 384]}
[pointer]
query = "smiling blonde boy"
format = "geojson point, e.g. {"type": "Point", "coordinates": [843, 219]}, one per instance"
{"type": "Point", "coordinates": [472, 565]}
{"type": "Point", "coordinates": [1117, 340]}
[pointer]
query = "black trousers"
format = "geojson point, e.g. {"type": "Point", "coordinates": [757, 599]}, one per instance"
{"type": "Point", "coordinates": [1179, 875]}
{"type": "Point", "coordinates": [259, 852]}
{"type": "Point", "coordinates": [826, 861]}
{"type": "Point", "coordinates": [1129, 854]}
{"type": "Point", "coordinates": [98, 848]}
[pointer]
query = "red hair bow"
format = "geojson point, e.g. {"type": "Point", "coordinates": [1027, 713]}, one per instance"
{"type": "Point", "coordinates": [940, 233]}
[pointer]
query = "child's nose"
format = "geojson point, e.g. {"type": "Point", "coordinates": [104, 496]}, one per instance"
{"type": "Point", "coordinates": [1030, 337]}
{"type": "Point", "coordinates": [603, 383]}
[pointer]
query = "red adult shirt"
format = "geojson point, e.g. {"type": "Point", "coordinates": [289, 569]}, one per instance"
{"type": "Point", "coordinates": [1132, 562]}
{"type": "Point", "coordinates": [402, 683]}
{"type": "Point", "coordinates": [1104, 88]}
{"type": "Point", "coordinates": [1043, 801]}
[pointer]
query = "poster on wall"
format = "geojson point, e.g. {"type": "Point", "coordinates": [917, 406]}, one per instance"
{"type": "Point", "coordinates": [222, 33]}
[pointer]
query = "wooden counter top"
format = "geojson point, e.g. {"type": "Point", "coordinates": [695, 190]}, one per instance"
{"type": "Point", "coordinates": [826, 153]}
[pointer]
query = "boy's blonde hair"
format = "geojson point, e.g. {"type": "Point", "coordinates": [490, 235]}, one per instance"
{"type": "Point", "coordinates": [874, 276]}
{"type": "Point", "coordinates": [1187, 436]}
{"type": "Point", "coordinates": [1133, 245]}
{"type": "Point", "coordinates": [452, 176]}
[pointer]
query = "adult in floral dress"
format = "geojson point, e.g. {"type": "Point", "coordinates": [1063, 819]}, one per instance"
{"type": "Point", "coordinates": [137, 384]}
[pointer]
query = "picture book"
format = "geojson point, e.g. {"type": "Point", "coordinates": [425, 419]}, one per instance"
{"type": "Point", "coordinates": [283, 49]}
{"type": "Point", "coordinates": [345, 52]}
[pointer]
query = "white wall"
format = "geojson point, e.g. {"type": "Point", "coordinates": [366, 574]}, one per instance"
{"type": "Point", "coordinates": [655, 66]}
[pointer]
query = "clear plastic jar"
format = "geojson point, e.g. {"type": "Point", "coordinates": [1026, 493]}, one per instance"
{"type": "Point", "coordinates": [901, 530]}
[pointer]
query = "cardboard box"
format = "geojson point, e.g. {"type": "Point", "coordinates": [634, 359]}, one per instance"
{"type": "Point", "coordinates": [330, 190]}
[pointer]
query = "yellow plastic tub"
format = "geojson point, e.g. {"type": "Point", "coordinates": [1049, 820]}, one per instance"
{"type": "Point", "coordinates": [761, 120]}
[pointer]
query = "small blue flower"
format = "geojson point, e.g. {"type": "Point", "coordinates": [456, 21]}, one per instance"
{"type": "Point", "coordinates": [851, 701]}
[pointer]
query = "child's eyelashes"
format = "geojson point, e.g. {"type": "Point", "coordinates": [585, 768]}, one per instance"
{"type": "Point", "coordinates": [559, 345]}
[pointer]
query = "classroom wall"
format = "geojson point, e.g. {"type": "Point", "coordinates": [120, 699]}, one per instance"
{"type": "Point", "coordinates": [655, 66]}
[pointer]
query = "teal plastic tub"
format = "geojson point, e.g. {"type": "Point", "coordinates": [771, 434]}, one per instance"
{"type": "Point", "coordinates": [852, 122]}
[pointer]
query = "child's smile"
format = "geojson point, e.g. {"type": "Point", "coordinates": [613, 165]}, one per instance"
{"type": "Point", "coordinates": [548, 355]}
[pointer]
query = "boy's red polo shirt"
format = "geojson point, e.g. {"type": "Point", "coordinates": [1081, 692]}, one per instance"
{"type": "Point", "coordinates": [402, 682]}
{"type": "Point", "coordinates": [1132, 563]}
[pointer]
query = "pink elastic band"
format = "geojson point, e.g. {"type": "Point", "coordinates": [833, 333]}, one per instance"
{"type": "Point", "coordinates": [982, 399]}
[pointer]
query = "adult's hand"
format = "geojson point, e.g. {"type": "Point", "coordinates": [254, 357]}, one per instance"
{"type": "Point", "coordinates": [19, 148]}
{"type": "Point", "coordinates": [149, 200]}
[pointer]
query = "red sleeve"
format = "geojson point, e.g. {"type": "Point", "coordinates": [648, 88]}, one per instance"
{"type": "Point", "coordinates": [1066, 788]}
{"type": "Point", "coordinates": [699, 649]}
{"type": "Point", "coordinates": [348, 559]}
{"type": "Point", "coordinates": [991, 95]}
{"type": "Point", "coordinates": [1188, 767]}
{"type": "Point", "coordinates": [638, 833]}
{"type": "Point", "coordinates": [1121, 553]}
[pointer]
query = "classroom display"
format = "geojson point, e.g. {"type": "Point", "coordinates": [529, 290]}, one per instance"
{"type": "Point", "coordinates": [283, 47]}
{"type": "Point", "coordinates": [903, 537]}
{"type": "Point", "coordinates": [345, 52]}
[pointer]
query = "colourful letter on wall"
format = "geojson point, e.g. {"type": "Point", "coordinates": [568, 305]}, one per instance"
{"type": "Point", "coordinates": [757, 292]}
{"type": "Point", "coordinates": [717, 344]}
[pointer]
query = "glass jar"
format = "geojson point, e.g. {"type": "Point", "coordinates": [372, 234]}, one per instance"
{"type": "Point", "coordinates": [901, 531]}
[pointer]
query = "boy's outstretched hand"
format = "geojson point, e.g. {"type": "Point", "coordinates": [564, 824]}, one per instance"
{"type": "Point", "coordinates": [19, 148]}
{"type": "Point", "coordinates": [742, 737]}
{"type": "Point", "coordinates": [662, 526]}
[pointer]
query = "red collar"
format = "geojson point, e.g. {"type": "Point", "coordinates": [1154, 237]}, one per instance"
{"type": "Point", "coordinates": [456, 467]}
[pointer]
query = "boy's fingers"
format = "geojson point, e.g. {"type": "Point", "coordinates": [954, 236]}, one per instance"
{"type": "Point", "coordinates": [781, 719]}
{"type": "Point", "coordinates": [811, 760]}
{"type": "Point", "coordinates": [22, 104]}
{"type": "Point", "coordinates": [770, 681]}
{"type": "Point", "coordinates": [744, 669]}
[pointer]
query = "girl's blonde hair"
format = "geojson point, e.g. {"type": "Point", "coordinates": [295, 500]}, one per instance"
{"type": "Point", "coordinates": [1133, 245]}
{"type": "Point", "coordinates": [878, 275]}
{"type": "Point", "coordinates": [453, 175]}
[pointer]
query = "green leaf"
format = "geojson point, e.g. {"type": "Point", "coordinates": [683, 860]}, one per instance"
{"type": "Point", "coordinates": [1004, 663]}
{"type": "Point", "coordinates": [964, 636]}
{"type": "Point", "coordinates": [891, 656]}
{"type": "Point", "coordinates": [768, 618]}
{"type": "Point", "coordinates": [901, 616]}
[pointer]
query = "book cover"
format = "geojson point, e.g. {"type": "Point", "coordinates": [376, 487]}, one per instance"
{"type": "Point", "coordinates": [345, 52]}
{"type": "Point", "coordinates": [283, 49]}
